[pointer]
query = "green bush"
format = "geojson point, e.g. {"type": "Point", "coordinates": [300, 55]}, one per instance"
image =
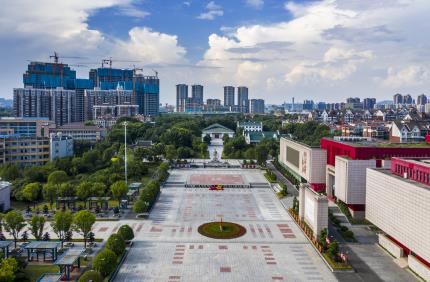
{"type": "Point", "coordinates": [116, 244]}
{"type": "Point", "coordinates": [92, 276]}
{"type": "Point", "coordinates": [126, 232]}
{"type": "Point", "coordinates": [105, 262]}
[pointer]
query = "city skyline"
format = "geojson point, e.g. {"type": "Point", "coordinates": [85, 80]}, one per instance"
{"type": "Point", "coordinates": [329, 49]}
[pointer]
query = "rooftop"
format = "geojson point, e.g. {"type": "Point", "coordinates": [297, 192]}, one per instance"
{"type": "Point", "coordinates": [79, 126]}
{"type": "Point", "coordinates": [387, 171]}
{"type": "Point", "coordinates": [217, 128]}
{"type": "Point", "coordinates": [375, 142]}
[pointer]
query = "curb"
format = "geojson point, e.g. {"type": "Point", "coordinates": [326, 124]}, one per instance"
{"type": "Point", "coordinates": [316, 250]}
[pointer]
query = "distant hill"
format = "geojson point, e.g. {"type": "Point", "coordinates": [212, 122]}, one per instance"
{"type": "Point", "coordinates": [385, 102]}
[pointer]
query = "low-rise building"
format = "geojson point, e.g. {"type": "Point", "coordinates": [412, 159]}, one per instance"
{"type": "Point", "coordinates": [24, 151]}
{"type": "Point", "coordinates": [5, 195]}
{"type": "Point", "coordinates": [304, 162]}
{"type": "Point", "coordinates": [347, 161]}
{"type": "Point", "coordinates": [216, 132]}
{"type": "Point", "coordinates": [81, 132]}
{"type": "Point", "coordinates": [60, 146]}
{"type": "Point", "coordinates": [250, 125]}
{"type": "Point", "coordinates": [409, 130]}
{"type": "Point", "coordinates": [398, 203]}
{"type": "Point", "coordinates": [26, 127]}
{"type": "Point", "coordinates": [255, 137]}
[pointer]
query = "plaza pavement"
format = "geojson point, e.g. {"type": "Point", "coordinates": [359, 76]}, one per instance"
{"type": "Point", "coordinates": [167, 247]}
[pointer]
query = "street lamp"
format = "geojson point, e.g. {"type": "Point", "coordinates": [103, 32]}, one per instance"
{"type": "Point", "coordinates": [125, 150]}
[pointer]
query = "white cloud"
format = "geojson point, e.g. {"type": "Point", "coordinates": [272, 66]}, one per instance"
{"type": "Point", "coordinates": [255, 3]}
{"type": "Point", "coordinates": [213, 10]}
{"type": "Point", "coordinates": [36, 28]}
{"type": "Point", "coordinates": [330, 50]}
{"type": "Point", "coordinates": [133, 11]}
{"type": "Point", "coordinates": [404, 77]}
{"type": "Point", "coordinates": [151, 47]}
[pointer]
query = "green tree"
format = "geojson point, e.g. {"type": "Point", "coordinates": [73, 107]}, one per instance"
{"type": "Point", "coordinates": [171, 153]}
{"type": "Point", "coordinates": [83, 222]}
{"type": "Point", "coordinates": [13, 223]}
{"type": "Point", "coordinates": [83, 190]}
{"type": "Point", "coordinates": [261, 154]}
{"type": "Point", "coordinates": [10, 172]}
{"type": "Point", "coordinates": [50, 192]}
{"type": "Point", "coordinates": [98, 189]}
{"type": "Point", "coordinates": [91, 276]}
{"type": "Point", "coordinates": [116, 244]}
{"type": "Point", "coordinates": [207, 139]}
{"type": "Point", "coordinates": [57, 177]}
{"type": "Point", "coordinates": [62, 225]}
{"type": "Point", "coordinates": [31, 192]}
{"type": "Point", "coordinates": [105, 262]}
{"type": "Point", "coordinates": [140, 206]}
{"type": "Point", "coordinates": [37, 223]}
{"type": "Point", "coordinates": [126, 232]}
{"type": "Point", "coordinates": [8, 268]}
{"type": "Point", "coordinates": [119, 190]}
{"type": "Point", "coordinates": [66, 190]}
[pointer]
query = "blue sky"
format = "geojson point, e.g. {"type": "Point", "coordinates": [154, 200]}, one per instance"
{"type": "Point", "coordinates": [324, 50]}
{"type": "Point", "coordinates": [181, 18]}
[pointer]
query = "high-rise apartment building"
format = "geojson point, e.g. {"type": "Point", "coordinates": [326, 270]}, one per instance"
{"type": "Point", "coordinates": [422, 99]}
{"type": "Point", "coordinates": [308, 105]}
{"type": "Point", "coordinates": [146, 91]}
{"type": "Point", "coordinates": [407, 99]}
{"type": "Point", "coordinates": [107, 99]}
{"type": "Point", "coordinates": [56, 104]}
{"type": "Point", "coordinates": [369, 103]}
{"type": "Point", "coordinates": [257, 106]}
{"type": "Point", "coordinates": [228, 96]}
{"type": "Point", "coordinates": [242, 99]}
{"type": "Point", "coordinates": [197, 94]}
{"type": "Point", "coordinates": [213, 104]}
{"type": "Point", "coordinates": [181, 96]}
{"type": "Point", "coordinates": [398, 99]}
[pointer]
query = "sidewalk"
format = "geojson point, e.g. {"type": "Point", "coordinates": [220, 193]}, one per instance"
{"type": "Point", "coordinates": [290, 187]}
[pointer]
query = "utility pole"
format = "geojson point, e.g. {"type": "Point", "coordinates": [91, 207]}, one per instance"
{"type": "Point", "coordinates": [125, 151]}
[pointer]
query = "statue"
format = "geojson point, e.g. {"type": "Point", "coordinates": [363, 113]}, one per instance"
{"type": "Point", "coordinates": [215, 157]}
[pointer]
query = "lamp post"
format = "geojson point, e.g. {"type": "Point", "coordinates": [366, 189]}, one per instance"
{"type": "Point", "coordinates": [125, 151]}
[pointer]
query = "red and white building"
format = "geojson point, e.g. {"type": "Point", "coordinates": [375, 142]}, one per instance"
{"type": "Point", "coordinates": [347, 161]}
{"type": "Point", "coordinates": [398, 202]}
{"type": "Point", "coordinates": [304, 162]}
{"type": "Point", "coordinates": [338, 167]}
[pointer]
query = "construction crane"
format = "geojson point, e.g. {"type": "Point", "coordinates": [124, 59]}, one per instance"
{"type": "Point", "coordinates": [56, 57]}
{"type": "Point", "coordinates": [156, 73]}
{"type": "Point", "coordinates": [110, 61]}
{"type": "Point", "coordinates": [135, 70]}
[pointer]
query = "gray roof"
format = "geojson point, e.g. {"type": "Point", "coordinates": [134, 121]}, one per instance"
{"type": "Point", "coordinates": [217, 128]}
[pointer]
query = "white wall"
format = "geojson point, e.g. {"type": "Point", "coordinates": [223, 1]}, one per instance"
{"type": "Point", "coordinates": [350, 179]}
{"type": "Point", "coordinates": [419, 268]}
{"type": "Point", "coordinates": [400, 208]}
{"type": "Point", "coordinates": [312, 161]}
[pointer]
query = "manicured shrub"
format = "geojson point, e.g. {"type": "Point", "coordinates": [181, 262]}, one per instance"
{"type": "Point", "coordinates": [126, 232]}
{"type": "Point", "coordinates": [116, 244]}
{"type": "Point", "coordinates": [140, 206]}
{"type": "Point", "coordinates": [92, 276]}
{"type": "Point", "coordinates": [105, 262]}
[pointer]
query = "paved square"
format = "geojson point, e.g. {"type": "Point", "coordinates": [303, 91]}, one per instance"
{"type": "Point", "coordinates": [168, 247]}
{"type": "Point", "coordinates": [215, 179]}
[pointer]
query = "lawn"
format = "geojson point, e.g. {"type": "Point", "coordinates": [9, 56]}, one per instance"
{"type": "Point", "coordinates": [33, 271]}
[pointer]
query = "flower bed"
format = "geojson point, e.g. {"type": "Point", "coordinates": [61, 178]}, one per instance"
{"type": "Point", "coordinates": [229, 230]}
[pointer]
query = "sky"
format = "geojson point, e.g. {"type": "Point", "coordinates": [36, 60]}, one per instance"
{"type": "Point", "coordinates": [325, 50]}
